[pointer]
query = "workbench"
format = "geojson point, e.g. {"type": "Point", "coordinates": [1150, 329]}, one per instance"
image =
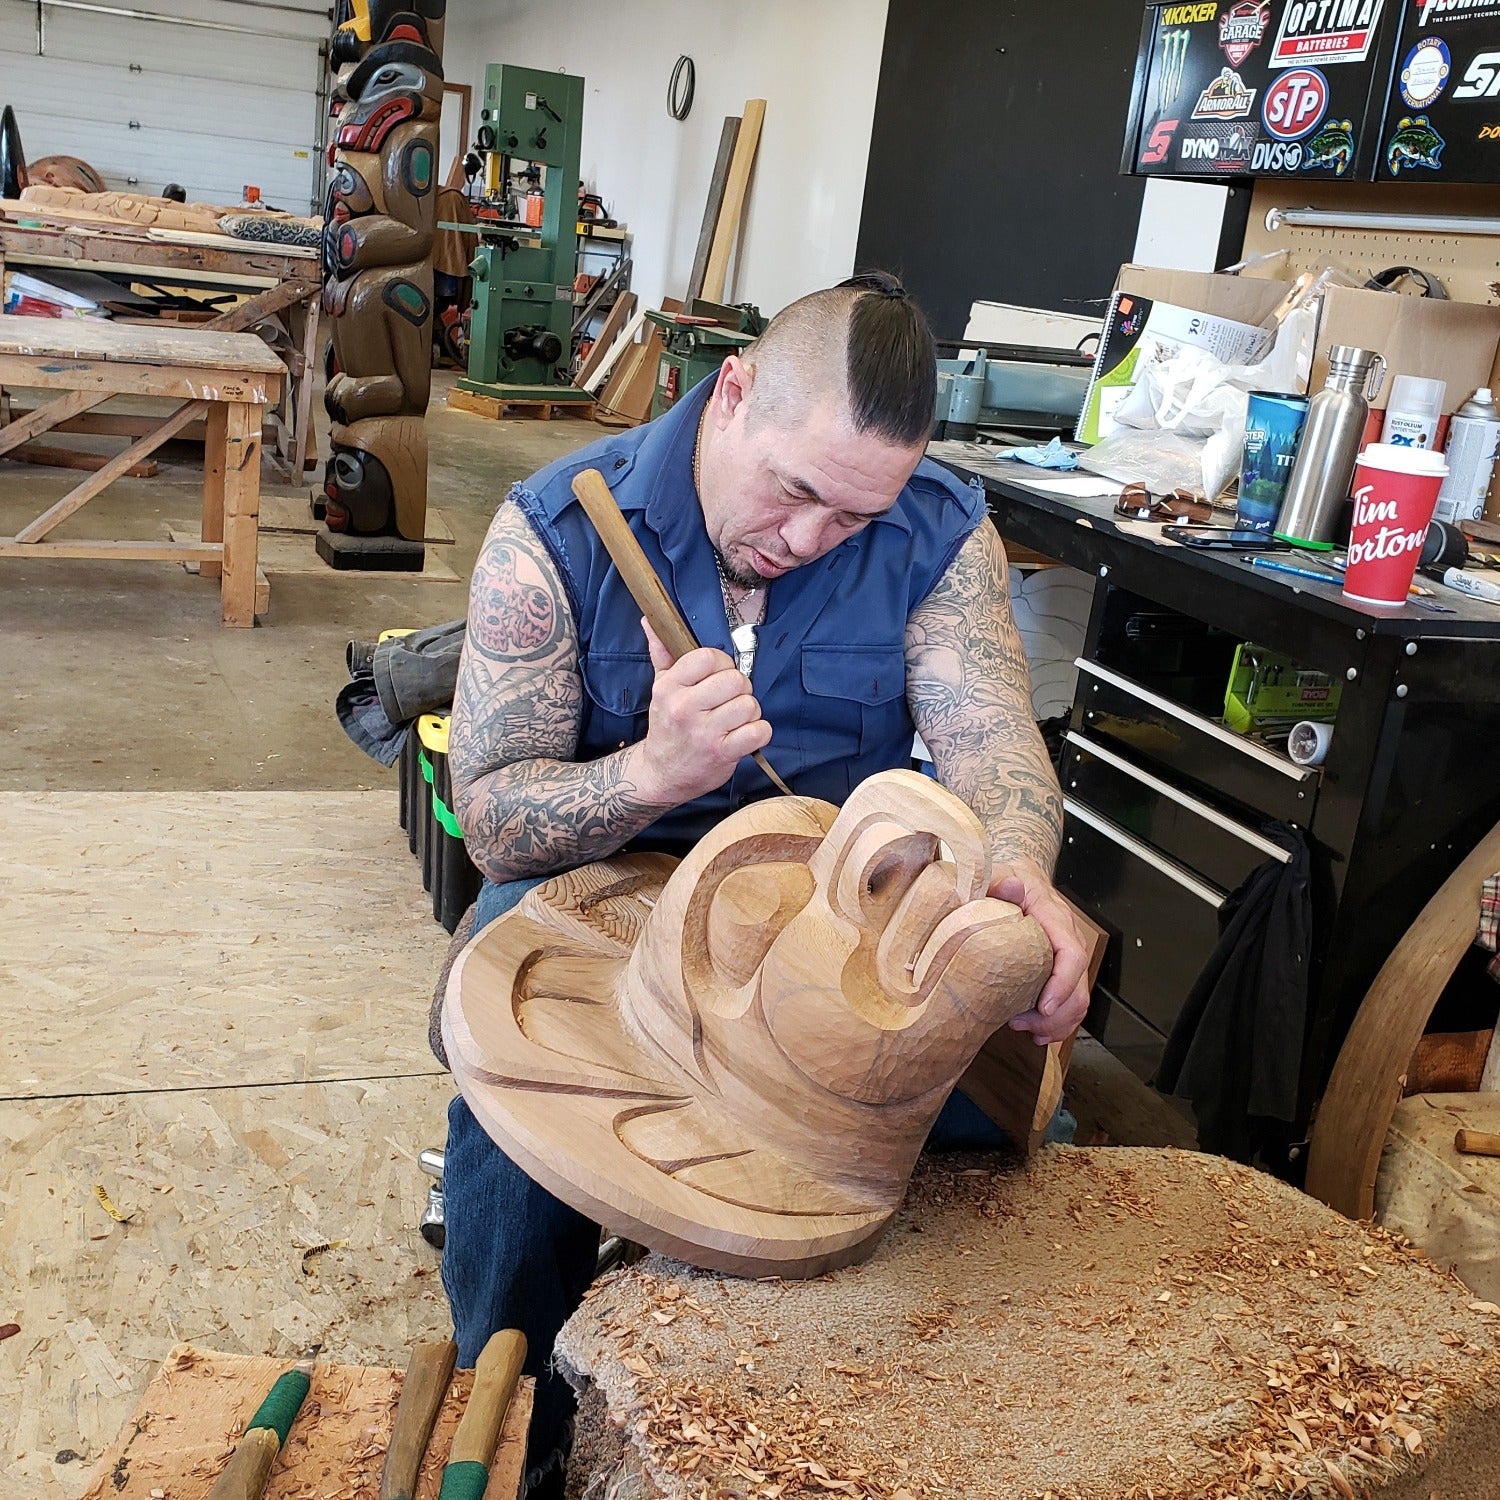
{"type": "Point", "coordinates": [226, 379]}
{"type": "Point", "coordinates": [1165, 808]}
{"type": "Point", "coordinates": [165, 259]}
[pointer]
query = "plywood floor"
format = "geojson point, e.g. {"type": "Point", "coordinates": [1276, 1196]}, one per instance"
{"type": "Point", "coordinates": [214, 1010]}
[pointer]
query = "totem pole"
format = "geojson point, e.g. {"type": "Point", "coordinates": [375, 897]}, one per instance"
{"type": "Point", "coordinates": [380, 221]}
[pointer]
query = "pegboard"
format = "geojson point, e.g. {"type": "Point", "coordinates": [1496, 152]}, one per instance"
{"type": "Point", "coordinates": [1468, 265]}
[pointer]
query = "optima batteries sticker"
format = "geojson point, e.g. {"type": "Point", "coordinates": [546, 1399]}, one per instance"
{"type": "Point", "coordinates": [1442, 117]}
{"type": "Point", "coordinates": [1325, 32]}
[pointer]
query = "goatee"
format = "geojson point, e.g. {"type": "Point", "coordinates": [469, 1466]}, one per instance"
{"type": "Point", "coordinates": [741, 578]}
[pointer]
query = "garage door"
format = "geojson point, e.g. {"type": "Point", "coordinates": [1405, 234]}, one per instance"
{"type": "Point", "coordinates": [212, 94]}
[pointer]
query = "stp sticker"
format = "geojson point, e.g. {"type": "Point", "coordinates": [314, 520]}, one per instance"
{"type": "Point", "coordinates": [1325, 31]}
{"type": "Point", "coordinates": [1424, 74]}
{"type": "Point", "coordinates": [1226, 98]}
{"type": "Point", "coordinates": [1295, 104]}
{"type": "Point", "coordinates": [1241, 28]}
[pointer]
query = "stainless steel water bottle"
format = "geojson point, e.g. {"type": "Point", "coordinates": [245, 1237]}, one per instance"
{"type": "Point", "coordinates": [1330, 443]}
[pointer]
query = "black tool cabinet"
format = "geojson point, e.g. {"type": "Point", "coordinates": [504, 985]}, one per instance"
{"type": "Point", "coordinates": [1165, 807]}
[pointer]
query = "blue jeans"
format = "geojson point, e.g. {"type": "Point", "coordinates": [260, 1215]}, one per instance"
{"type": "Point", "coordinates": [516, 1257]}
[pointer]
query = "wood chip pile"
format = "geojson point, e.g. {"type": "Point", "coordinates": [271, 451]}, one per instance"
{"type": "Point", "coordinates": [1105, 1324]}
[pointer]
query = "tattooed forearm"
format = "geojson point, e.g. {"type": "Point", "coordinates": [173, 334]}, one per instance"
{"type": "Point", "coordinates": [525, 807]}
{"type": "Point", "coordinates": [970, 696]}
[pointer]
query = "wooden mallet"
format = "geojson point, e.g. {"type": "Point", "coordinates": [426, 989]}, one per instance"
{"type": "Point", "coordinates": [645, 587]}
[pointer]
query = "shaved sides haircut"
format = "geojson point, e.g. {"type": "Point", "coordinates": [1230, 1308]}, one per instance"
{"type": "Point", "coordinates": [865, 344]}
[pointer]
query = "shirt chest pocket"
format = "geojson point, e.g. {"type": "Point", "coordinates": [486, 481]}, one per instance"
{"type": "Point", "coordinates": [854, 694]}
{"type": "Point", "coordinates": [617, 689]}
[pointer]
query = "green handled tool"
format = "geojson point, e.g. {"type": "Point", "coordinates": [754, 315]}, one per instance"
{"type": "Point", "coordinates": [249, 1469]}
{"type": "Point", "coordinates": [495, 1375]}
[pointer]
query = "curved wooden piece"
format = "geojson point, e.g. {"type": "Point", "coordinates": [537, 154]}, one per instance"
{"type": "Point", "coordinates": [1365, 1087]}
{"type": "Point", "coordinates": [736, 1061]}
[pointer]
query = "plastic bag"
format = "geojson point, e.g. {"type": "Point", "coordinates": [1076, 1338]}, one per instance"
{"type": "Point", "coordinates": [1200, 403]}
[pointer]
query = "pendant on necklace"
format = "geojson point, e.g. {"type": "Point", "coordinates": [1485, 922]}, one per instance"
{"type": "Point", "coordinates": [742, 637]}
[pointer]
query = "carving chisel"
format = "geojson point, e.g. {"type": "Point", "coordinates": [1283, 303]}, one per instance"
{"type": "Point", "coordinates": [422, 1392]}
{"type": "Point", "coordinates": [645, 587]}
{"type": "Point", "coordinates": [495, 1375]}
{"type": "Point", "coordinates": [249, 1468]}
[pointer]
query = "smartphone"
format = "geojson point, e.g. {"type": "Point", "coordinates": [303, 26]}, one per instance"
{"type": "Point", "coordinates": [1217, 538]}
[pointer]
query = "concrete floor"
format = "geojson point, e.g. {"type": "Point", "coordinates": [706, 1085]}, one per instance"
{"type": "Point", "coordinates": [119, 676]}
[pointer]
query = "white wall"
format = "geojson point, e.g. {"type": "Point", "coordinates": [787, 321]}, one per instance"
{"type": "Point", "coordinates": [1180, 224]}
{"type": "Point", "coordinates": [815, 62]}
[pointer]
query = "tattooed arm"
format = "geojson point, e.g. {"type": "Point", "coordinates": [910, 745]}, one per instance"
{"type": "Point", "coordinates": [970, 696]}
{"type": "Point", "coordinates": [526, 807]}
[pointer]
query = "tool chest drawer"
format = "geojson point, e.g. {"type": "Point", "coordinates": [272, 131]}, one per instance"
{"type": "Point", "coordinates": [1163, 919]}
{"type": "Point", "coordinates": [1183, 827]}
{"type": "Point", "coordinates": [1178, 743]}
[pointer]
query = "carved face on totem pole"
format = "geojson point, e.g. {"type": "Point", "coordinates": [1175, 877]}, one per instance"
{"type": "Point", "coordinates": [379, 224]}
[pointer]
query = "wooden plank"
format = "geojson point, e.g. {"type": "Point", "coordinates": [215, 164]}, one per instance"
{"type": "Point", "coordinates": [1349, 1130]}
{"type": "Point", "coordinates": [713, 205]}
{"type": "Point", "coordinates": [614, 321]}
{"type": "Point", "coordinates": [174, 382]}
{"type": "Point", "coordinates": [39, 419]}
{"type": "Point", "coordinates": [629, 395]}
{"type": "Point", "coordinates": [241, 515]}
{"type": "Point", "coordinates": [75, 458]}
{"type": "Point", "coordinates": [110, 245]}
{"type": "Point", "coordinates": [214, 428]}
{"type": "Point", "coordinates": [307, 314]}
{"type": "Point", "coordinates": [93, 339]}
{"type": "Point", "coordinates": [205, 554]}
{"type": "Point", "coordinates": [77, 498]}
{"type": "Point", "coordinates": [191, 1414]}
{"type": "Point", "coordinates": [112, 424]}
{"type": "Point", "coordinates": [262, 592]}
{"type": "Point", "coordinates": [727, 230]}
{"type": "Point", "coordinates": [262, 305]}
{"type": "Point", "coordinates": [601, 371]}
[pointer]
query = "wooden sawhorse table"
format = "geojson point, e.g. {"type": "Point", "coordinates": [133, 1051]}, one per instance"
{"type": "Point", "coordinates": [228, 379]}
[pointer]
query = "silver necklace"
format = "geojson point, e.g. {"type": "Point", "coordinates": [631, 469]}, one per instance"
{"type": "Point", "coordinates": [742, 633]}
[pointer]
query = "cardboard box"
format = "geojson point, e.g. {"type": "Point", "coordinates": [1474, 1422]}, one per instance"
{"type": "Point", "coordinates": [1458, 342]}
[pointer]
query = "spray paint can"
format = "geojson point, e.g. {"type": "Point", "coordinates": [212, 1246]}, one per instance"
{"type": "Point", "coordinates": [1473, 445]}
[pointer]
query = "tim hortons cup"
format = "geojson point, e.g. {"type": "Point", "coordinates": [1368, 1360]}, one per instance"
{"type": "Point", "coordinates": [1395, 493]}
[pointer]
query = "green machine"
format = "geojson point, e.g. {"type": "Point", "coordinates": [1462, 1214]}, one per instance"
{"type": "Point", "coordinates": [696, 342]}
{"type": "Point", "coordinates": [520, 334]}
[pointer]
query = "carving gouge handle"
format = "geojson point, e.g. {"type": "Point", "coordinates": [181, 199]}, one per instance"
{"type": "Point", "coordinates": [422, 1394]}
{"type": "Point", "coordinates": [640, 578]}
{"type": "Point", "coordinates": [467, 1473]}
{"type": "Point", "coordinates": [249, 1468]}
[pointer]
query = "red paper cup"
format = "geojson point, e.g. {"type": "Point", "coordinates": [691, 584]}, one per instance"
{"type": "Point", "coordinates": [1395, 494]}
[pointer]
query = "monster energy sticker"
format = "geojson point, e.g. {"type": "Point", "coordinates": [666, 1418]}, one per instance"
{"type": "Point", "coordinates": [1241, 28]}
{"type": "Point", "coordinates": [1325, 32]}
{"type": "Point", "coordinates": [1424, 74]}
{"type": "Point", "coordinates": [1226, 98]}
{"type": "Point", "coordinates": [1415, 144]}
{"type": "Point", "coordinates": [1174, 54]}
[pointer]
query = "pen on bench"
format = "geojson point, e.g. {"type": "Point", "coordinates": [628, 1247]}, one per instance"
{"type": "Point", "coordinates": [1270, 565]}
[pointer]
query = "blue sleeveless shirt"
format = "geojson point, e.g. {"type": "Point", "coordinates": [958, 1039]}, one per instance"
{"type": "Point", "coordinates": [830, 666]}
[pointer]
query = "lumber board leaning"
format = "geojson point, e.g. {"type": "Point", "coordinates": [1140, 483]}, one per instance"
{"type": "Point", "coordinates": [614, 321]}
{"type": "Point", "coordinates": [714, 205]}
{"type": "Point", "coordinates": [44, 418]}
{"type": "Point", "coordinates": [727, 230]}
{"type": "Point", "coordinates": [600, 373]}
{"type": "Point", "coordinates": [1349, 1132]}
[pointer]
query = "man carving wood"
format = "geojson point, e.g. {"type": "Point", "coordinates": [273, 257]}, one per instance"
{"type": "Point", "coordinates": [846, 591]}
